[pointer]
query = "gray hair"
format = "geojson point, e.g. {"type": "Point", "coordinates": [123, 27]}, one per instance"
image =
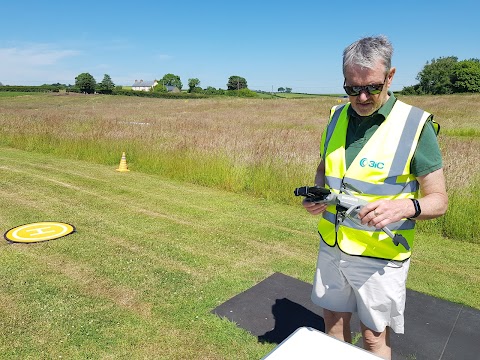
{"type": "Point", "coordinates": [367, 51]}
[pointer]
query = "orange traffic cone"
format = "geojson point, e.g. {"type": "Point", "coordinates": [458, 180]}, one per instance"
{"type": "Point", "coordinates": [123, 164]}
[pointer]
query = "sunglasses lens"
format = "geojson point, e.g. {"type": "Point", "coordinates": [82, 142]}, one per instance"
{"type": "Point", "coordinates": [351, 90]}
{"type": "Point", "coordinates": [375, 89]}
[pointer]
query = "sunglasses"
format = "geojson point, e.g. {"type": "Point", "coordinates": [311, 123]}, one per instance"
{"type": "Point", "coordinates": [372, 89]}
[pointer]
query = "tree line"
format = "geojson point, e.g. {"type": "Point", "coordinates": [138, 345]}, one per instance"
{"type": "Point", "coordinates": [86, 83]}
{"type": "Point", "coordinates": [445, 75]}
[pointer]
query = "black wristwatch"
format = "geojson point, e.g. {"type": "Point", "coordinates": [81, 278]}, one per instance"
{"type": "Point", "coordinates": [418, 210]}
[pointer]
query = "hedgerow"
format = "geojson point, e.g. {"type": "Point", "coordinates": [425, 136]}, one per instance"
{"type": "Point", "coordinates": [19, 88]}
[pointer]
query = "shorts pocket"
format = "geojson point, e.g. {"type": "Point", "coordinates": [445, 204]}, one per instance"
{"type": "Point", "coordinates": [396, 264]}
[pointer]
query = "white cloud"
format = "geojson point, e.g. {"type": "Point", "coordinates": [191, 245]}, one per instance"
{"type": "Point", "coordinates": [38, 55]}
{"type": "Point", "coordinates": [32, 64]}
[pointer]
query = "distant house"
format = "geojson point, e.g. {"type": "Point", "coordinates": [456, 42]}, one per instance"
{"type": "Point", "coordinates": [141, 85]}
{"type": "Point", "coordinates": [171, 88]}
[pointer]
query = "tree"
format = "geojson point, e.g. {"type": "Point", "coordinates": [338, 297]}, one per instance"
{"type": "Point", "coordinates": [86, 83]}
{"type": "Point", "coordinates": [192, 84]}
{"type": "Point", "coordinates": [210, 90]}
{"type": "Point", "coordinates": [446, 75]}
{"type": "Point", "coordinates": [172, 80]}
{"type": "Point", "coordinates": [159, 88]}
{"type": "Point", "coordinates": [466, 76]}
{"type": "Point", "coordinates": [288, 90]}
{"type": "Point", "coordinates": [436, 76]}
{"type": "Point", "coordinates": [281, 89]}
{"type": "Point", "coordinates": [236, 83]}
{"type": "Point", "coordinates": [107, 85]}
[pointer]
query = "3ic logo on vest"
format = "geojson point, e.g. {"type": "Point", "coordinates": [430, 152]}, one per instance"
{"type": "Point", "coordinates": [371, 163]}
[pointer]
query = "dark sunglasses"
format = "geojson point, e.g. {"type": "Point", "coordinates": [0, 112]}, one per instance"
{"type": "Point", "coordinates": [372, 89]}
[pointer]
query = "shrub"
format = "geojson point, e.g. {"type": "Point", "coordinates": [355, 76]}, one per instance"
{"type": "Point", "coordinates": [413, 90]}
{"type": "Point", "coordinates": [245, 92]}
{"type": "Point", "coordinates": [18, 88]}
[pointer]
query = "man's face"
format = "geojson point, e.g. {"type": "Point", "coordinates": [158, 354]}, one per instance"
{"type": "Point", "coordinates": [366, 104]}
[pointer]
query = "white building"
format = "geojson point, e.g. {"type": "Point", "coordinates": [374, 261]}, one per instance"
{"type": "Point", "coordinates": [141, 85]}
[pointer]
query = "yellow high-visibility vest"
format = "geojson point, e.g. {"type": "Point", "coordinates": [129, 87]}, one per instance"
{"type": "Point", "coordinates": [381, 170]}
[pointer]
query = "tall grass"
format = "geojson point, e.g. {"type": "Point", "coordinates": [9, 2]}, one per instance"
{"type": "Point", "coordinates": [255, 146]}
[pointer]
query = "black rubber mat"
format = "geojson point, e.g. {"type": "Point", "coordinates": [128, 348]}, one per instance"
{"type": "Point", "coordinates": [434, 329]}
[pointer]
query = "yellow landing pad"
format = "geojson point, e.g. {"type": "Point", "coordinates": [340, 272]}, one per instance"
{"type": "Point", "coordinates": [36, 232]}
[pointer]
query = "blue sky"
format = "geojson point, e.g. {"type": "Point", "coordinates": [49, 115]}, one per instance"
{"type": "Point", "coordinates": [272, 44]}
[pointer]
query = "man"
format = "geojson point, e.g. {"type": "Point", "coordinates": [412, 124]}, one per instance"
{"type": "Point", "coordinates": [385, 152]}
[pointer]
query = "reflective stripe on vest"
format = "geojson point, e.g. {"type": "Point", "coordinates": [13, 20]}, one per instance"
{"type": "Point", "coordinates": [381, 170]}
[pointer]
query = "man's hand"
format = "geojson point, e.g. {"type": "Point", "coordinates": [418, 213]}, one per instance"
{"type": "Point", "coordinates": [313, 208]}
{"type": "Point", "coordinates": [383, 212]}
{"type": "Point", "coordinates": [434, 202]}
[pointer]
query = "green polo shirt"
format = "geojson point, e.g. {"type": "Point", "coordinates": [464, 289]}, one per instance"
{"type": "Point", "coordinates": [427, 157]}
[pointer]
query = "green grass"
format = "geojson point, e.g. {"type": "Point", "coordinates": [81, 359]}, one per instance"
{"type": "Point", "coordinates": [269, 178]}
{"type": "Point", "coordinates": [152, 257]}
{"type": "Point", "coordinates": [254, 147]}
{"type": "Point", "coordinates": [462, 132]}
{"type": "Point", "coordinates": [6, 94]}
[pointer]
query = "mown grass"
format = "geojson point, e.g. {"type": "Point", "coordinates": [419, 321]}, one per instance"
{"type": "Point", "coordinates": [151, 257]}
{"type": "Point", "coordinates": [149, 261]}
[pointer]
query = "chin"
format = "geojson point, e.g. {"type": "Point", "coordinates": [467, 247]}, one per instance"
{"type": "Point", "coordinates": [364, 110]}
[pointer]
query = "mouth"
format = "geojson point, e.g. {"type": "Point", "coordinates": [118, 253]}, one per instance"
{"type": "Point", "coordinates": [365, 108]}
{"type": "Point", "coordinates": [364, 104]}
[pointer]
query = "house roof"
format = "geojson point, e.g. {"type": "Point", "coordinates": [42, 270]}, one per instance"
{"type": "Point", "coordinates": [141, 83]}
{"type": "Point", "coordinates": [171, 88]}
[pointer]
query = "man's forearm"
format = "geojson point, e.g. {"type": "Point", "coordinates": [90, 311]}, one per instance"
{"type": "Point", "coordinates": [434, 199]}
{"type": "Point", "coordinates": [433, 206]}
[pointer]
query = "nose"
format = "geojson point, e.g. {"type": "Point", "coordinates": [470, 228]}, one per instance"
{"type": "Point", "coordinates": [364, 95]}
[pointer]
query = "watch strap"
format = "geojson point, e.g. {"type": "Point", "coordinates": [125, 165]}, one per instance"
{"type": "Point", "coordinates": [418, 210]}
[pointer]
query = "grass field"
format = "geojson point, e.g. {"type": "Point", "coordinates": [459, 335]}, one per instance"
{"type": "Point", "coordinates": [299, 96]}
{"type": "Point", "coordinates": [259, 147]}
{"type": "Point", "coordinates": [157, 248]}
{"type": "Point", "coordinates": [152, 257]}
{"type": "Point", "coordinates": [4, 94]}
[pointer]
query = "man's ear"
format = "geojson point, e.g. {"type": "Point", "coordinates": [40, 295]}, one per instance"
{"type": "Point", "coordinates": [391, 73]}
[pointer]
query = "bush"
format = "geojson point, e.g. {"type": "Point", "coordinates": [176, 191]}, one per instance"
{"type": "Point", "coordinates": [412, 90]}
{"type": "Point", "coordinates": [245, 92]}
{"type": "Point", "coordinates": [212, 91]}
{"type": "Point", "coordinates": [159, 88]}
{"type": "Point", "coordinates": [18, 88]}
{"type": "Point", "coordinates": [197, 90]}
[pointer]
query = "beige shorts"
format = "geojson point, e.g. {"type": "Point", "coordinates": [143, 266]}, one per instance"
{"type": "Point", "coordinates": [374, 288]}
